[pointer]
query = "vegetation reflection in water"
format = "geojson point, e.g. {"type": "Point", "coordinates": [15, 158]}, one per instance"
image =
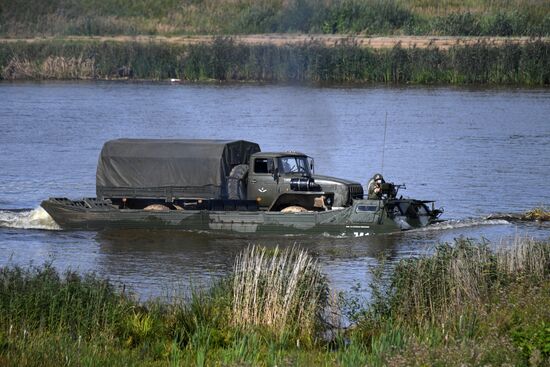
{"type": "Point", "coordinates": [465, 303]}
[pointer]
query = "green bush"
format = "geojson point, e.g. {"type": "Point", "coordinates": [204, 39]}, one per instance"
{"type": "Point", "coordinates": [258, 18]}
{"type": "Point", "coordinates": [458, 24]}
{"type": "Point", "coordinates": [533, 340]}
{"type": "Point", "coordinates": [370, 17]}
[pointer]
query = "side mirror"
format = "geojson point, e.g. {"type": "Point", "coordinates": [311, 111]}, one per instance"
{"type": "Point", "coordinates": [311, 166]}
{"type": "Point", "coordinates": [276, 174]}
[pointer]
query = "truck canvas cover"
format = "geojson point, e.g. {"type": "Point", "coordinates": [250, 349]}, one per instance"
{"type": "Point", "coordinates": [163, 168]}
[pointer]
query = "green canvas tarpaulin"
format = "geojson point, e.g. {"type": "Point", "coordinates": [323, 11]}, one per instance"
{"type": "Point", "coordinates": [165, 168]}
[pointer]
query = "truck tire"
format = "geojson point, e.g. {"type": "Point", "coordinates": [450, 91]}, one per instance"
{"type": "Point", "coordinates": [236, 182]}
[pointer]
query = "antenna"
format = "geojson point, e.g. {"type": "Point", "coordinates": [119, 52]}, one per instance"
{"type": "Point", "coordinates": [384, 144]}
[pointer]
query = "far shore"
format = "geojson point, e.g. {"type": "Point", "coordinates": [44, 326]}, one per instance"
{"type": "Point", "coordinates": [281, 59]}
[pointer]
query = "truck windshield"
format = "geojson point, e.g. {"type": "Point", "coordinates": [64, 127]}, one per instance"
{"type": "Point", "coordinates": [294, 164]}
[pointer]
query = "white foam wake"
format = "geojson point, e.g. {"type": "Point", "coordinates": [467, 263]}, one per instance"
{"type": "Point", "coordinates": [28, 219]}
{"type": "Point", "coordinates": [463, 223]}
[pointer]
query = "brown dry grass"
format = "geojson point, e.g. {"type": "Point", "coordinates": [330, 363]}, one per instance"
{"type": "Point", "coordinates": [53, 67]}
{"type": "Point", "coordinates": [540, 214]}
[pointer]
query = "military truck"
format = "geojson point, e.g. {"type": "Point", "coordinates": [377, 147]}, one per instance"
{"type": "Point", "coordinates": [142, 172]}
{"type": "Point", "coordinates": [227, 185]}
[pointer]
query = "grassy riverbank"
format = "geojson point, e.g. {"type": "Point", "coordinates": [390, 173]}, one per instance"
{"type": "Point", "coordinates": [465, 304]}
{"type": "Point", "coordinates": [168, 17]}
{"type": "Point", "coordinates": [225, 60]}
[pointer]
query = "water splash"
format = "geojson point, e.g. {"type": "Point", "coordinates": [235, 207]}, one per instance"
{"type": "Point", "coordinates": [463, 223]}
{"type": "Point", "coordinates": [28, 219]}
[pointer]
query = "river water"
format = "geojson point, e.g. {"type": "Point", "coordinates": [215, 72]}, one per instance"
{"type": "Point", "coordinates": [474, 151]}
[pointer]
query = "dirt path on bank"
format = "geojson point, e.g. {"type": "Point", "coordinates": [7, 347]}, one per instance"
{"type": "Point", "coordinates": [296, 39]}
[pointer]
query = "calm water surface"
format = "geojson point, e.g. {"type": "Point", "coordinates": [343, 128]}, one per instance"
{"type": "Point", "coordinates": [475, 151]}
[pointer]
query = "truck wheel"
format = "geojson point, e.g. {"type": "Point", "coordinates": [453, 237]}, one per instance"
{"type": "Point", "coordinates": [236, 184]}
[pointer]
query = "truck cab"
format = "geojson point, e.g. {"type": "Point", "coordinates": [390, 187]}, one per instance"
{"type": "Point", "coordinates": [270, 174]}
{"type": "Point", "coordinates": [274, 174]}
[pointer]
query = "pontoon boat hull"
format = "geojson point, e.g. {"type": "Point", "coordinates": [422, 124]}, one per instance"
{"type": "Point", "coordinates": [363, 217]}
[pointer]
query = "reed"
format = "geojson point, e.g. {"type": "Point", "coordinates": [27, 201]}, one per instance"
{"type": "Point", "coordinates": [461, 278]}
{"type": "Point", "coordinates": [225, 60]}
{"type": "Point", "coordinates": [283, 290]}
{"type": "Point", "coordinates": [53, 67]}
{"type": "Point", "coordinates": [453, 305]}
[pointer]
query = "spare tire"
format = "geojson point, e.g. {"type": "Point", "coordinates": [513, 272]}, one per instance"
{"type": "Point", "coordinates": [236, 184]}
{"type": "Point", "coordinates": [156, 208]}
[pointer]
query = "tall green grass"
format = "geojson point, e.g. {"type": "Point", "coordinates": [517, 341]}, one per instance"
{"type": "Point", "coordinates": [47, 318]}
{"type": "Point", "coordinates": [42, 299]}
{"type": "Point", "coordinates": [225, 60]}
{"type": "Point", "coordinates": [463, 304]}
{"type": "Point", "coordinates": [95, 17]}
{"type": "Point", "coordinates": [454, 305]}
{"type": "Point", "coordinates": [461, 278]}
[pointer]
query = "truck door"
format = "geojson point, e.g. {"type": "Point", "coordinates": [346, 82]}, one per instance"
{"type": "Point", "coordinates": [261, 183]}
